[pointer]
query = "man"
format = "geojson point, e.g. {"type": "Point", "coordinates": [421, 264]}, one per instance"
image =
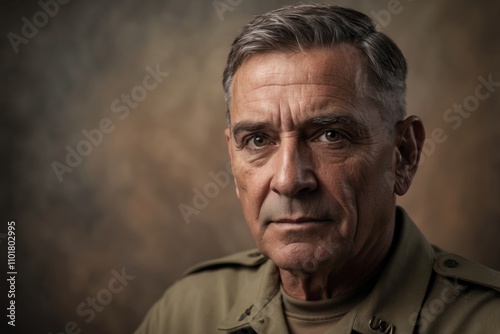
{"type": "Point", "coordinates": [320, 147]}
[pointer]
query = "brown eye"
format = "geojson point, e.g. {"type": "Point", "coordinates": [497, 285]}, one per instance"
{"type": "Point", "coordinates": [257, 141]}
{"type": "Point", "coordinates": [331, 136]}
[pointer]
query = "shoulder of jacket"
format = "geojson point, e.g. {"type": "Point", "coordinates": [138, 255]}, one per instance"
{"type": "Point", "coordinates": [457, 267]}
{"type": "Point", "coordinates": [248, 258]}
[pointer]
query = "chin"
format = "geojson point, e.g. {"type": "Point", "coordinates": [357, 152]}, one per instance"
{"type": "Point", "coordinates": [303, 257]}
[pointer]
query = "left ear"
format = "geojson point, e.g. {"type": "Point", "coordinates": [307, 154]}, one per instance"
{"type": "Point", "coordinates": [409, 141]}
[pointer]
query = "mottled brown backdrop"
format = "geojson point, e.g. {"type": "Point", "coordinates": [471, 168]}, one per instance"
{"type": "Point", "coordinates": [119, 207]}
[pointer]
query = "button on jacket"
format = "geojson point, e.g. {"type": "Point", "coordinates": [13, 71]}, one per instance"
{"type": "Point", "coordinates": [421, 290]}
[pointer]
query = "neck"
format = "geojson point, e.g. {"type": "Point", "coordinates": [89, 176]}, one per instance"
{"type": "Point", "coordinates": [331, 280]}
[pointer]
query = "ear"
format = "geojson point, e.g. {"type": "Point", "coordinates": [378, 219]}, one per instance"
{"type": "Point", "coordinates": [227, 134]}
{"type": "Point", "coordinates": [409, 141]}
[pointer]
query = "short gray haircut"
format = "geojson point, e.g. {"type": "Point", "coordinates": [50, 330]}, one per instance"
{"type": "Point", "coordinates": [305, 27]}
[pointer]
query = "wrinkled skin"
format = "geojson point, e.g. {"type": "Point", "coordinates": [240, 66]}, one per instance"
{"type": "Point", "coordinates": [316, 168]}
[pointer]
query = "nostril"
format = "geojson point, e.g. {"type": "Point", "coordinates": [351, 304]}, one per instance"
{"type": "Point", "coordinates": [306, 189]}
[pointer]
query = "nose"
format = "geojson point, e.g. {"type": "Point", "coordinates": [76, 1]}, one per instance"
{"type": "Point", "coordinates": [293, 170]}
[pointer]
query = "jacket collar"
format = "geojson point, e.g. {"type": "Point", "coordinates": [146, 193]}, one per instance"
{"type": "Point", "coordinates": [397, 296]}
{"type": "Point", "coordinates": [260, 305]}
{"type": "Point", "coordinates": [391, 307]}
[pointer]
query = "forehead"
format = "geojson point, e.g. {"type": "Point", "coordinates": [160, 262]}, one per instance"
{"type": "Point", "coordinates": [313, 79]}
{"type": "Point", "coordinates": [343, 61]}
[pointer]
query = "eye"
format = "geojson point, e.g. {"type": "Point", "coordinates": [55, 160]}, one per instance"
{"type": "Point", "coordinates": [256, 142]}
{"type": "Point", "coordinates": [331, 136]}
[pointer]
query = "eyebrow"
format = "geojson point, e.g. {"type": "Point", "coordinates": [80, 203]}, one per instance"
{"type": "Point", "coordinates": [348, 121]}
{"type": "Point", "coordinates": [326, 120]}
{"type": "Point", "coordinates": [247, 126]}
{"type": "Point", "coordinates": [345, 120]}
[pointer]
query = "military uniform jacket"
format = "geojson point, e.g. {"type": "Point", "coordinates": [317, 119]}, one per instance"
{"type": "Point", "coordinates": [420, 290]}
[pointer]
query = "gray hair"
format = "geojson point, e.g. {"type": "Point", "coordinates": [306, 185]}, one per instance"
{"type": "Point", "coordinates": [305, 27]}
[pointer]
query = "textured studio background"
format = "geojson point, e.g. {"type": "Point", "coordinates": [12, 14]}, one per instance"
{"type": "Point", "coordinates": [118, 207]}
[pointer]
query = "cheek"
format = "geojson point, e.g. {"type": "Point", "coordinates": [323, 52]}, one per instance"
{"type": "Point", "coordinates": [380, 183]}
{"type": "Point", "coordinates": [361, 185]}
{"type": "Point", "coordinates": [372, 170]}
{"type": "Point", "coordinates": [244, 179]}
{"type": "Point", "coordinates": [341, 181]}
{"type": "Point", "coordinates": [375, 197]}
{"type": "Point", "coordinates": [251, 187]}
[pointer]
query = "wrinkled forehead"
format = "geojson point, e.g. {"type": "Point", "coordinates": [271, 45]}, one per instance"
{"type": "Point", "coordinates": [317, 76]}
{"type": "Point", "coordinates": [342, 60]}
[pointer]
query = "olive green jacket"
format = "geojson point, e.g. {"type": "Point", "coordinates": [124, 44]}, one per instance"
{"type": "Point", "coordinates": [421, 290]}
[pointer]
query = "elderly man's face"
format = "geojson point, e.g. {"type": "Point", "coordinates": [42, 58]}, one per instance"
{"type": "Point", "coordinates": [312, 159]}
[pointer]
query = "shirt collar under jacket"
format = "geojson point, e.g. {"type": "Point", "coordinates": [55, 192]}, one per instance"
{"type": "Point", "coordinates": [395, 299]}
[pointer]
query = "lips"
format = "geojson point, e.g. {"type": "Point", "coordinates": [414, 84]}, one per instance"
{"type": "Point", "coordinates": [300, 220]}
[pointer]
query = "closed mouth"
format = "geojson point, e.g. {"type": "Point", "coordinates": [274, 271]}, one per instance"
{"type": "Point", "coordinates": [300, 220]}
